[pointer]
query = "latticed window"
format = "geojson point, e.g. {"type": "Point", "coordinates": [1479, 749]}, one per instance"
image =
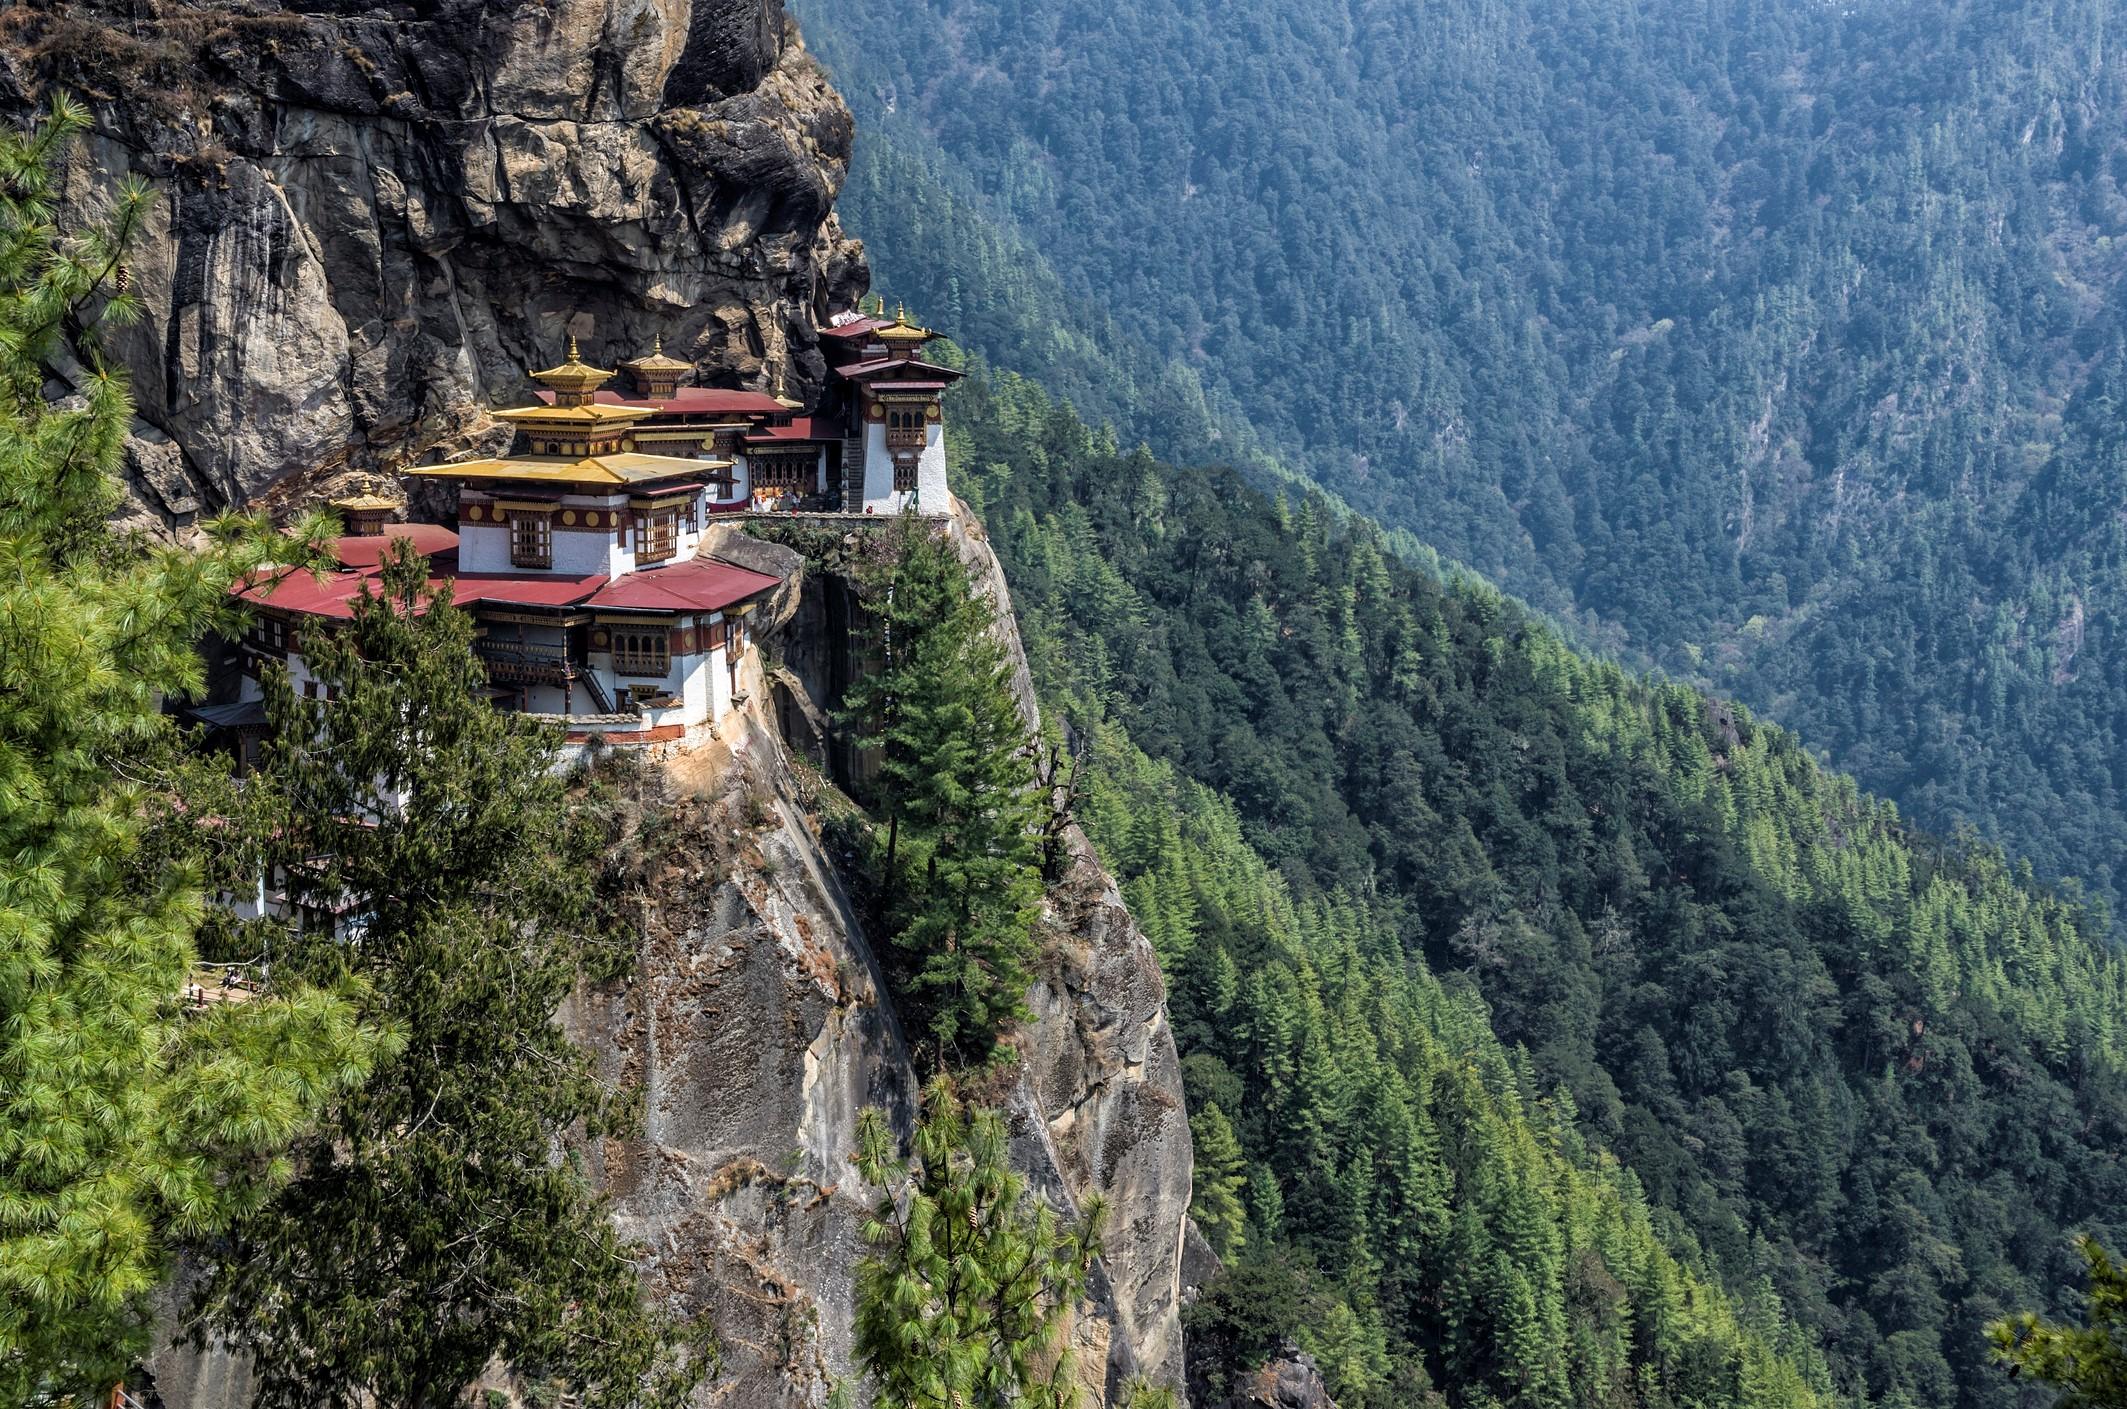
{"type": "Point", "coordinates": [642, 652]}
{"type": "Point", "coordinates": [531, 540]}
{"type": "Point", "coordinates": [905, 473]}
{"type": "Point", "coordinates": [657, 535]}
{"type": "Point", "coordinates": [782, 473]}
{"type": "Point", "coordinates": [904, 428]}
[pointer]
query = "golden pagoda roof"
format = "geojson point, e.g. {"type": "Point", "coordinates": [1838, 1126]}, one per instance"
{"type": "Point", "coordinates": [357, 503]}
{"type": "Point", "coordinates": [588, 414]}
{"type": "Point", "coordinates": [625, 468]}
{"type": "Point", "coordinates": [575, 374]}
{"type": "Point", "coordinates": [656, 361]}
{"type": "Point", "coordinates": [901, 332]}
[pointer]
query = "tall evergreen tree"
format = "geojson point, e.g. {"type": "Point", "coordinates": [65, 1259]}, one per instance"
{"type": "Point", "coordinates": [962, 1303]}
{"type": "Point", "coordinates": [955, 784]}
{"type": "Point", "coordinates": [124, 1124]}
{"type": "Point", "coordinates": [435, 1225]}
{"type": "Point", "coordinates": [1219, 1175]}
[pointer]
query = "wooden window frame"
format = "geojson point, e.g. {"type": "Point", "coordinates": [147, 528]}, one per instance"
{"type": "Point", "coordinates": [654, 524]}
{"type": "Point", "coordinates": [531, 538]}
{"type": "Point", "coordinates": [644, 646]}
{"type": "Point", "coordinates": [907, 427]}
{"type": "Point", "coordinates": [270, 633]}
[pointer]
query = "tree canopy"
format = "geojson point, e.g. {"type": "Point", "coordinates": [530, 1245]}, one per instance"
{"type": "Point", "coordinates": [963, 1298]}
{"type": "Point", "coordinates": [126, 1125]}
{"type": "Point", "coordinates": [1776, 344]}
{"type": "Point", "coordinates": [438, 1219]}
{"type": "Point", "coordinates": [950, 777]}
{"type": "Point", "coordinates": [1864, 1075]}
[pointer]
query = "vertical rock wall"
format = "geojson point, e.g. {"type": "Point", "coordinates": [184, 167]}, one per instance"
{"type": "Point", "coordinates": [759, 1026]}
{"type": "Point", "coordinates": [371, 219]}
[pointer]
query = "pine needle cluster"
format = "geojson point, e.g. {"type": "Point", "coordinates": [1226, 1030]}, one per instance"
{"type": "Point", "coordinates": [125, 1125]}
{"type": "Point", "coordinates": [2087, 1363]}
{"type": "Point", "coordinates": [961, 1303]}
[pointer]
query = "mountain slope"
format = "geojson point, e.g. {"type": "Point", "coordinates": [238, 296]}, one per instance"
{"type": "Point", "coordinates": [1747, 338]}
{"type": "Point", "coordinates": [1881, 1072]}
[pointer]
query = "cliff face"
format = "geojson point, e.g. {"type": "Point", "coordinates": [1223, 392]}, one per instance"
{"type": "Point", "coordinates": [373, 218]}
{"type": "Point", "coordinates": [758, 1028]}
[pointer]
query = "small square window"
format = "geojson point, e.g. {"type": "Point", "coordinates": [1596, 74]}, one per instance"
{"type": "Point", "coordinates": [531, 540]}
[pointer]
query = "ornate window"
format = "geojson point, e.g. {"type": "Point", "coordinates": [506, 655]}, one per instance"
{"type": "Point", "coordinates": [646, 651]}
{"type": "Point", "coordinates": [905, 473]}
{"type": "Point", "coordinates": [531, 539]}
{"type": "Point", "coordinates": [905, 428]}
{"type": "Point", "coordinates": [656, 534]}
{"type": "Point", "coordinates": [781, 473]}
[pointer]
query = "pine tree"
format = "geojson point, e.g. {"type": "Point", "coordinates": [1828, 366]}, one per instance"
{"type": "Point", "coordinates": [432, 1227]}
{"type": "Point", "coordinates": [956, 787]}
{"type": "Point", "coordinates": [2089, 1362]}
{"type": "Point", "coordinates": [962, 1301]}
{"type": "Point", "coordinates": [1221, 1174]}
{"type": "Point", "coordinates": [125, 1125]}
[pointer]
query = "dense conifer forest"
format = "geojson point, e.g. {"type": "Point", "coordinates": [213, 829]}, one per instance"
{"type": "Point", "coordinates": [1516, 994]}
{"type": "Point", "coordinates": [1778, 344]}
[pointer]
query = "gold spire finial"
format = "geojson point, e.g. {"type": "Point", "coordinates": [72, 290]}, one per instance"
{"type": "Point", "coordinates": [573, 382]}
{"type": "Point", "coordinates": [902, 334]}
{"type": "Point", "coordinates": [657, 344]}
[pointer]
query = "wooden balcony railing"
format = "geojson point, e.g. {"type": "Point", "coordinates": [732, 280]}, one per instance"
{"type": "Point", "coordinates": [525, 662]}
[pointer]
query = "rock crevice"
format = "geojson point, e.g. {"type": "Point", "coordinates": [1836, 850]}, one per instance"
{"type": "Point", "coordinates": [373, 220]}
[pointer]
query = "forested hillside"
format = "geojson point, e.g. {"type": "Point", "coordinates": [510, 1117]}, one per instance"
{"type": "Point", "coordinates": [1868, 1076]}
{"type": "Point", "coordinates": [1778, 343]}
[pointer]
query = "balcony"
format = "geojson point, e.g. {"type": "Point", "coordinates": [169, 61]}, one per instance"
{"type": "Point", "coordinates": [526, 662]}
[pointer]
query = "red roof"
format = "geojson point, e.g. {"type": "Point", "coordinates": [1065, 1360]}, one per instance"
{"type": "Point", "coordinates": [497, 589]}
{"type": "Point", "coordinates": [693, 400]}
{"type": "Point", "coordinates": [698, 585]}
{"type": "Point", "coordinates": [367, 550]}
{"type": "Point", "coordinates": [300, 591]}
{"type": "Point", "coordinates": [856, 327]}
{"type": "Point", "coordinates": [800, 429]}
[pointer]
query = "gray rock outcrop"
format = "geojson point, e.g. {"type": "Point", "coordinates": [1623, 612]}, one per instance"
{"type": "Point", "coordinates": [1099, 1066]}
{"type": "Point", "coordinates": [1290, 1382]}
{"type": "Point", "coordinates": [373, 218]}
{"type": "Point", "coordinates": [759, 1026]}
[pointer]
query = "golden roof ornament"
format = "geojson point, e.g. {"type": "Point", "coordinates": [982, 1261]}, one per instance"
{"type": "Point", "coordinates": [656, 361]}
{"type": "Point", "coordinates": [575, 380]}
{"type": "Point", "coordinates": [901, 332]}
